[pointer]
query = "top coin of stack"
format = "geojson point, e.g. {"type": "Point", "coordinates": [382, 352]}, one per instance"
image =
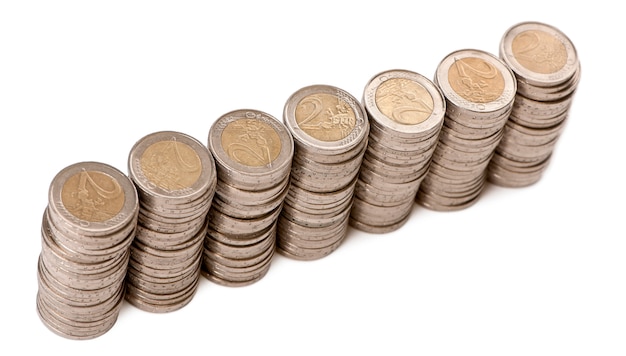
{"type": "Point", "coordinates": [87, 230]}
{"type": "Point", "coordinates": [547, 70]}
{"type": "Point", "coordinates": [479, 89]}
{"type": "Point", "coordinates": [175, 177]}
{"type": "Point", "coordinates": [330, 131]}
{"type": "Point", "coordinates": [253, 152]}
{"type": "Point", "coordinates": [405, 111]}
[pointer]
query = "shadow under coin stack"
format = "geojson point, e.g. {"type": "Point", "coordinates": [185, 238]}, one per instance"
{"type": "Point", "coordinates": [547, 69]}
{"type": "Point", "coordinates": [330, 132]}
{"type": "Point", "coordinates": [87, 230]}
{"type": "Point", "coordinates": [405, 112]}
{"type": "Point", "coordinates": [479, 90]}
{"type": "Point", "coordinates": [253, 151]}
{"type": "Point", "coordinates": [175, 177]}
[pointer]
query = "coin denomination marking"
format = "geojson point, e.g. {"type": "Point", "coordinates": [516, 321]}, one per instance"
{"type": "Point", "coordinates": [404, 101]}
{"type": "Point", "coordinates": [171, 165]}
{"type": "Point", "coordinates": [92, 196]}
{"type": "Point", "coordinates": [476, 80]}
{"type": "Point", "coordinates": [251, 142]}
{"type": "Point", "coordinates": [539, 51]}
{"type": "Point", "coordinates": [325, 117]}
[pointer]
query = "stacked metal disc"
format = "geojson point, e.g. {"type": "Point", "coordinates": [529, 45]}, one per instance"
{"type": "Point", "coordinates": [253, 151]}
{"type": "Point", "coordinates": [330, 132]}
{"type": "Point", "coordinates": [175, 177]}
{"type": "Point", "coordinates": [86, 232]}
{"type": "Point", "coordinates": [547, 69]}
{"type": "Point", "coordinates": [405, 111]}
{"type": "Point", "coordinates": [479, 89]}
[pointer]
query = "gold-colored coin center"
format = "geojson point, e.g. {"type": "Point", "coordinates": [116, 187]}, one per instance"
{"type": "Point", "coordinates": [404, 101]}
{"type": "Point", "coordinates": [539, 51]}
{"type": "Point", "coordinates": [476, 80]}
{"type": "Point", "coordinates": [325, 117]}
{"type": "Point", "coordinates": [251, 142]}
{"type": "Point", "coordinates": [92, 196]}
{"type": "Point", "coordinates": [171, 165]}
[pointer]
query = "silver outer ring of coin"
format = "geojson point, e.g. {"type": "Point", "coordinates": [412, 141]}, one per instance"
{"type": "Point", "coordinates": [199, 187]}
{"type": "Point", "coordinates": [94, 228]}
{"type": "Point", "coordinates": [502, 102]}
{"type": "Point", "coordinates": [280, 164]}
{"type": "Point", "coordinates": [534, 78]}
{"type": "Point", "coordinates": [433, 121]}
{"type": "Point", "coordinates": [353, 139]}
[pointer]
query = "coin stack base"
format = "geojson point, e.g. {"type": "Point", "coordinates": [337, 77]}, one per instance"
{"type": "Point", "coordinates": [547, 70]}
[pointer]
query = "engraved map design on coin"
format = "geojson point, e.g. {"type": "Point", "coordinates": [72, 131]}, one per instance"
{"type": "Point", "coordinates": [404, 101]}
{"type": "Point", "coordinates": [476, 80]}
{"type": "Point", "coordinates": [325, 117]}
{"type": "Point", "coordinates": [92, 196]}
{"type": "Point", "coordinates": [251, 142]}
{"type": "Point", "coordinates": [539, 51]}
{"type": "Point", "coordinates": [171, 165]}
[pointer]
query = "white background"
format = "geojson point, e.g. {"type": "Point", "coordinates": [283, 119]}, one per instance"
{"type": "Point", "coordinates": [539, 270]}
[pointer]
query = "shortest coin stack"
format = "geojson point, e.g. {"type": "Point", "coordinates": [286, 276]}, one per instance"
{"type": "Point", "coordinates": [405, 112]}
{"type": "Point", "coordinates": [547, 69]}
{"type": "Point", "coordinates": [253, 152]}
{"type": "Point", "coordinates": [175, 177]}
{"type": "Point", "coordinates": [330, 131]}
{"type": "Point", "coordinates": [86, 232]}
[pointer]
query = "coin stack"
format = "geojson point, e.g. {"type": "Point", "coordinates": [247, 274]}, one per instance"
{"type": "Point", "coordinates": [405, 111]}
{"type": "Point", "coordinates": [253, 151]}
{"type": "Point", "coordinates": [86, 231]}
{"type": "Point", "coordinates": [547, 69]}
{"type": "Point", "coordinates": [479, 89]}
{"type": "Point", "coordinates": [330, 132]}
{"type": "Point", "coordinates": [175, 177]}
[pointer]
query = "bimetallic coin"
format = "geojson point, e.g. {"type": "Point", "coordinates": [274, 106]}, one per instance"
{"type": "Point", "coordinates": [252, 149]}
{"type": "Point", "coordinates": [539, 53]}
{"type": "Point", "coordinates": [476, 81]}
{"type": "Point", "coordinates": [93, 198]}
{"type": "Point", "coordinates": [325, 119]}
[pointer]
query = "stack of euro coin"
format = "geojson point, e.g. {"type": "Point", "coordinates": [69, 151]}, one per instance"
{"type": "Point", "coordinates": [175, 177]}
{"type": "Point", "coordinates": [479, 89]}
{"type": "Point", "coordinates": [330, 131]}
{"type": "Point", "coordinates": [253, 153]}
{"type": "Point", "coordinates": [547, 69]}
{"type": "Point", "coordinates": [86, 232]}
{"type": "Point", "coordinates": [405, 111]}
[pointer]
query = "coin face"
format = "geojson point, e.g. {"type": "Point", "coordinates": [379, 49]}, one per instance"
{"type": "Point", "coordinates": [539, 51]}
{"type": "Point", "coordinates": [92, 196]}
{"type": "Point", "coordinates": [325, 117]}
{"type": "Point", "coordinates": [475, 79]}
{"type": "Point", "coordinates": [171, 165]}
{"type": "Point", "coordinates": [251, 142]}
{"type": "Point", "coordinates": [541, 54]}
{"type": "Point", "coordinates": [404, 101]}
